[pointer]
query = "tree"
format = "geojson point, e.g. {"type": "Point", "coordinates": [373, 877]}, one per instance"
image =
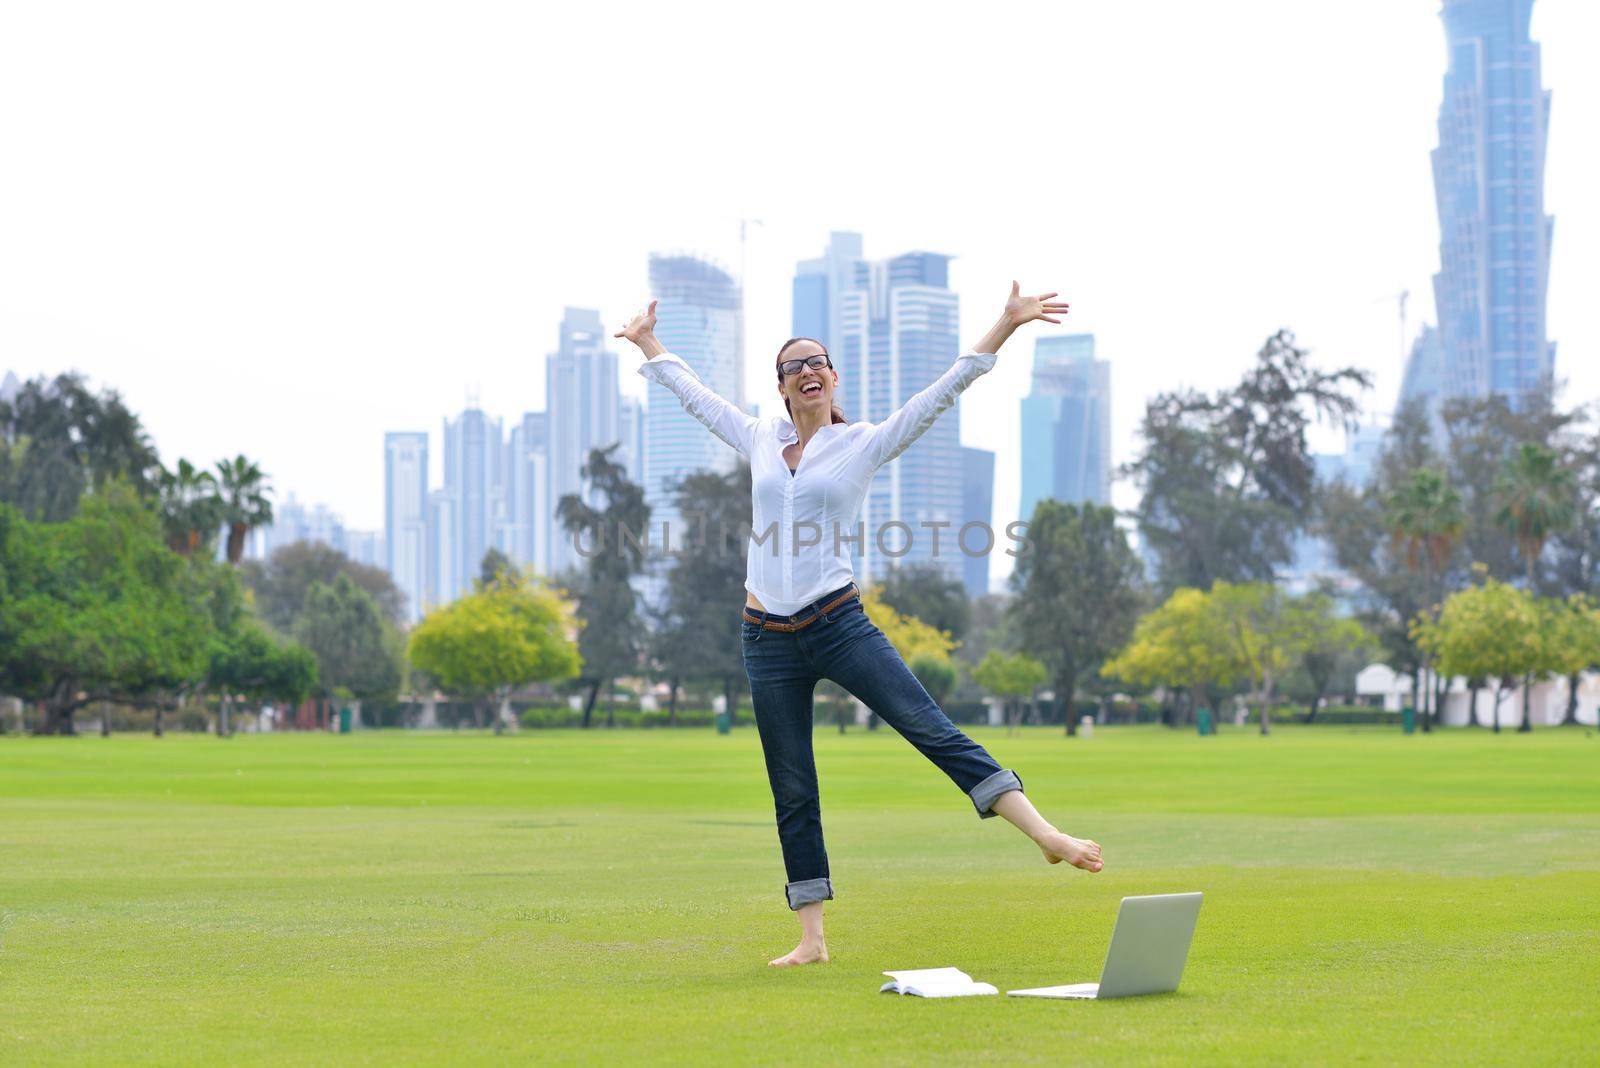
{"type": "Point", "coordinates": [1326, 640]}
{"type": "Point", "coordinates": [910, 636]}
{"type": "Point", "coordinates": [1424, 515]}
{"type": "Point", "coordinates": [495, 569]}
{"type": "Point", "coordinates": [1227, 481]}
{"type": "Point", "coordinates": [612, 539]}
{"type": "Point", "coordinates": [357, 652]}
{"type": "Point", "coordinates": [59, 440]}
{"type": "Point", "coordinates": [1357, 522]}
{"type": "Point", "coordinates": [1493, 631]}
{"type": "Point", "coordinates": [96, 608]}
{"type": "Point", "coordinates": [928, 592]}
{"type": "Point", "coordinates": [508, 634]}
{"type": "Point", "coordinates": [280, 584]}
{"type": "Point", "coordinates": [243, 489]}
{"type": "Point", "coordinates": [1179, 644]}
{"type": "Point", "coordinates": [1572, 642]}
{"type": "Point", "coordinates": [1077, 593]}
{"type": "Point", "coordinates": [1265, 632]}
{"type": "Point", "coordinates": [254, 664]}
{"type": "Point", "coordinates": [698, 636]}
{"type": "Point", "coordinates": [1010, 677]}
{"type": "Point", "coordinates": [191, 510]}
{"type": "Point", "coordinates": [1538, 498]}
{"type": "Point", "coordinates": [1482, 438]}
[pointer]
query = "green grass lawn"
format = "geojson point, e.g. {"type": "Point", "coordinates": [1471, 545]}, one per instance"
{"type": "Point", "coordinates": [558, 897]}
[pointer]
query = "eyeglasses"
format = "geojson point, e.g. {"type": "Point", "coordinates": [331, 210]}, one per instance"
{"type": "Point", "coordinates": [816, 363]}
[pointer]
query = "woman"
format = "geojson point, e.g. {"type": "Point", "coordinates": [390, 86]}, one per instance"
{"type": "Point", "coordinates": [803, 619]}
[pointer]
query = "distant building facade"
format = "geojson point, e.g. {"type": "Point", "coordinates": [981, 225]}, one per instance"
{"type": "Point", "coordinates": [405, 516]}
{"type": "Point", "coordinates": [582, 405]}
{"type": "Point", "coordinates": [977, 506]}
{"type": "Point", "coordinates": [1066, 425]}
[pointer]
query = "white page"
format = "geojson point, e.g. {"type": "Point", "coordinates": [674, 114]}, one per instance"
{"type": "Point", "coordinates": [938, 983]}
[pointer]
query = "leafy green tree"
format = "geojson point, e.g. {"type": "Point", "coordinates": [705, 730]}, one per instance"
{"type": "Point", "coordinates": [1077, 593]}
{"type": "Point", "coordinates": [1357, 523]}
{"type": "Point", "coordinates": [1267, 632]}
{"type": "Point", "coordinates": [1227, 481]}
{"type": "Point", "coordinates": [1538, 498]}
{"type": "Point", "coordinates": [1010, 677]}
{"type": "Point", "coordinates": [1178, 645]}
{"type": "Point", "coordinates": [96, 608]}
{"type": "Point", "coordinates": [929, 593]}
{"type": "Point", "coordinates": [610, 642]}
{"type": "Point", "coordinates": [1492, 631]}
{"type": "Point", "coordinates": [1572, 642]}
{"type": "Point", "coordinates": [698, 636]}
{"type": "Point", "coordinates": [280, 584]}
{"type": "Point", "coordinates": [357, 651]}
{"type": "Point", "coordinates": [59, 440]}
{"type": "Point", "coordinates": [511, 632]}
{"type": "Point", "coordinates": [251, 663]}
{"type": "Point", "coordinates": [1327, 639]}
{"type": "Point", "coordinates": [243, 490]}
{"type": "Point", "coordinates": [1482, 436]}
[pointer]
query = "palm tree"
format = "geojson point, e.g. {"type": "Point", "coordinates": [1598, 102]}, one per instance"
{"type": "Point", "coordinates": [244, 502]}
{"type": "Point", "coordinates": [1538, 498]}
{"type": "Point", "coordinates": [191, 511]}
{"type": "Point", "coordinates": [1425, 516]}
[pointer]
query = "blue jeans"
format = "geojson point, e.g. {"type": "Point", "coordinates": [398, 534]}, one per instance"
{"type": "Point", "coordinates": [843, 646]}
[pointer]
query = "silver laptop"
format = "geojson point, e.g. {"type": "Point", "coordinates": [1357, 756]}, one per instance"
{"type": "Point", "coordinates": [1148, 947]}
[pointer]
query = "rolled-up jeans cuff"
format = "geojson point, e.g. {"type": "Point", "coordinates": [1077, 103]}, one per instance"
{"type": "Point", "coordinates": [987, 792]}
{"type": "Point", "coordinates": [806, 891]}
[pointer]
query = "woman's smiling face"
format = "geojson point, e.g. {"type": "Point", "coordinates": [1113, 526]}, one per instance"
{"type": "Point", "coordinates": [810, 389]}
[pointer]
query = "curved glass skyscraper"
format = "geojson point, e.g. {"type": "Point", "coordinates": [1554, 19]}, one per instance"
{"type": "Point", "coordinates": [1488, 173]}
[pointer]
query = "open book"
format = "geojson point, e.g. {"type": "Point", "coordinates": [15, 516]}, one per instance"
{"type": "Point", "coordinates": [935, 983]}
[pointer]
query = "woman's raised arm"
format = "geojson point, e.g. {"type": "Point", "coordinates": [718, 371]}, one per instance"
{"type": "Point", "coordinates": [722, 418]}
{"type": "Point", "coordinates": [895, 434]}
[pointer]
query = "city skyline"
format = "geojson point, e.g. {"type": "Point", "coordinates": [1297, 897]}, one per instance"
{"type": "Point", "coordinates": [384, 284]}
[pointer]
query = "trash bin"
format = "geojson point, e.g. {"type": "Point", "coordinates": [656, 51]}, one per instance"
{"type": "Point", "coordinates": [1203, 721]}
{"type": "Point", "coordinates": [719, 707]}
{"type": "Point", "coordinates": [1408, 719]}
{"type": "Point", "coordinates": [344, 719]}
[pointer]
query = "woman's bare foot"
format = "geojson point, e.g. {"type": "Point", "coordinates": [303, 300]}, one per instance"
{"type": "Point", "coordinates": [1079, 852]}
{"type": "Point", "coordinates": [807, 952]}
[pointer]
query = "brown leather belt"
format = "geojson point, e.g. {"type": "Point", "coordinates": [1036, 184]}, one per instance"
{"type": "Point", "coordinates": [790, 628]}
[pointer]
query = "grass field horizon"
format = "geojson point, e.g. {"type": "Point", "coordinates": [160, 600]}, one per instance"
{"type": "Point", "coordinates": [571, 897]}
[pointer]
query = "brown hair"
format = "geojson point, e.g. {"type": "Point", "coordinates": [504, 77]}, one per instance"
{"type": "Point", "coordinates": [838, 415]}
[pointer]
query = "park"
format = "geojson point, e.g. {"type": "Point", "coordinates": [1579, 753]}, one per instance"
{"type": "Point", "coordinates": [557, 897]}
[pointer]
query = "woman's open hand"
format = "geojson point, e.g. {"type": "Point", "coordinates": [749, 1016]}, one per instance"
{"type": "Point", "coordinates": [1021, 309]}
{"type": "Point", "coordinates": [640, 326]}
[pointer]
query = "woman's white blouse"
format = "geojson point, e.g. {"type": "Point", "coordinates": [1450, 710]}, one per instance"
{"type": "Point", "coordinates": [804, 524]}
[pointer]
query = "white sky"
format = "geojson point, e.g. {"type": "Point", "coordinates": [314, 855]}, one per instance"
{"type": "Point", "coordinates": [284, 229]}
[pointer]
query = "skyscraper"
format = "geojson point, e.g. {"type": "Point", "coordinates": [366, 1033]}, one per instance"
{"type": "Point", "coordinates": [405, 515]}
{"type": "Point", "coordinates": [631, 431]}
{"type": "Point", "coordinates": [977, 506]}
{"type": "Point", "coordinates": [819, 287]}
{"type": "Point", "coordinates": [698, 319]}
{"type": "Point", "coordinates": [525, 536]}
{"type": "Point", "coordinates": [474, 455]}
{"type": "Point", "coordinates": [897, 332]}
{"type": "Point", "coordinates": [1066, 424]}
{"type": "Point", "coordinates": [582, 403]}
{"type": "Point", "coordinates": [1488, 174]}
